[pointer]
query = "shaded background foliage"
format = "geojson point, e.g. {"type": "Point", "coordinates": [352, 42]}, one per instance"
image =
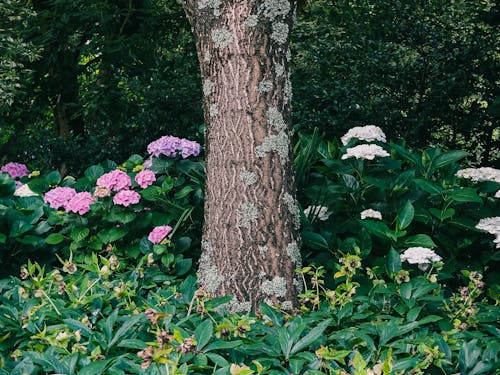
{"type": "Point", "coordinates": [107, 77]}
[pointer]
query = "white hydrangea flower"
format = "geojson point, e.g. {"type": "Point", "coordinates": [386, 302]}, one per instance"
{"type": "Point", "coordinates": [491, 225]}
{"type": "Point", "coordinates": [480, 174]}
{"type": "Point", "coordinates": [497, 194]}
{"type": "Point", "coordinates": [421, 256]}
{"type": "Point", "coordinates": [365, 152]}
{"type": "Point", "coordinates": [24, 191]}
{"type": "Point", "coordinates": [321, 212]}
{"type": "Point", "coordinates": [371, 214]}
{"type": "Point", "coordinates": [367, 133]}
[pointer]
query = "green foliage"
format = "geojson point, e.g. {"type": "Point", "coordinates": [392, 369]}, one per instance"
{"type": "Point", "coordinates": [31, 229]}
{"type": "Point", "coordinates": [114, 303]}
{"type": "Point", "coordinates": [424, 71]}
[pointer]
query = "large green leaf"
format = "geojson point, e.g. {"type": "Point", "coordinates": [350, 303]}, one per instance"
{"type": "Point", "coordinates": [428, 186]}
{"type": "Point", "coordinates": [54, 239]}
{"type": "Point", "coordinates": [314, 240]}
{"type": "Point", "coordinates": [203, 333]}
{"type": "Point", "coordinates": [448, 158]}
{"type": "Point", "coordinates": [314, 335]}
{"type": "Point", "coordinates": [405, 216]}
{"type": "Point", "coordinates": [419, 240]}
{"type": "Point", "coordinates": [393, 262]}
{"type": "Point", "coordinates": [379, 229]}
{"type": "Point", "coordinates": [465, 195]}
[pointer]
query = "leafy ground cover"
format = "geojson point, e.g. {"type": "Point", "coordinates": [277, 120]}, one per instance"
{"type": "Point", "coordinates": [400, 270]}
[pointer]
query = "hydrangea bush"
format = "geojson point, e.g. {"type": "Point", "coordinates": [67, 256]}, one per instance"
{"type": "Point", "coordinates": [400, 272]}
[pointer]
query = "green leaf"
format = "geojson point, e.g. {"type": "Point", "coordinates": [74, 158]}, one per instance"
{"type": "Point", "coordinates": [407, 155]}
{"type": "Point", "coordinates": [53, 178]}
{"type": "Point", "coordinates": [448, 158]}
{"type": "Point", "coordinates": [203, 333]}
{"type": "Point", "coordinates": [442, 215]}
{"type": "Point", "coordinates": [132, 344]}
{"type": "Point", "coordinates": [94, 172]}
{"type": "Point", "coordinates": [114, 234]}
{"type": "Point", "coordinates": [125, 328]}
{"type": "Point", "coordinates": [419, 240]}
{"type": "Point", "coordinates": [94, 368]}
{"type": "Point", "coordinates": [78, 326]}
{"type": "Point", "coordinates": [312, 336]}
{"type": "Point", "coordinates": [78, 234]}
{"type": "Point", "coordinates": [218, 345]}
{"type": "Point", "coordinates": [428, 186]}
{"type": "Point", "coordinates": [314, 241]}
{"type": "Point", "coordinates": [151, 193]}
{"type": "Point", "coordinates": [184, 192]}
{"type": "Point", "coordinates": [217, 359]}
{"type": "Point", "coordinates": [54, 238]}
{"type": "Point", "coordinates": [465, 195]}
{"type": "Point", "coordinates": [379, 229]}
{"type": "Point", "coordinates": [405, 216]}
{"type": "Point", "coordinates": [3, 238]}
{"type": "Point", "coordinates": [393, 262]}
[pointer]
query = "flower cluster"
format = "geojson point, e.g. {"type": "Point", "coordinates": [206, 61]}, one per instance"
{"type": "Point", "coordinates": [159, 233]}
{"type": "Point", "coordinates": [15, 170]}
{"type": "Point", "coordinates": [365, 152]}
{"type": "Point", "coordinates": [480, 174]}
{"type": "Point", "coordinates": [321, 212]}
{"type": "Point", "coordinates": [371, 214]}
{"type": "Point", "coordinates": [59, 197]}
{"type": "Point", "coordinates": [126, 197]}
{"type": "Point", "coordinates": [420, 255]}
{"type": "Point", "coordinates": [171, 146]}
{"type": "Point", "coordinates": [80, 203]}
{"type": "Point", "coordinates": [113, 181]}
{"type": "Point", "coordinates": [367, 133]}
{"type": "Point", "coordinates": [145, 178]}
{"type": "Point", "coordinates": [491, 225]}
{"type": "Point", "coordinates": [24, 191]}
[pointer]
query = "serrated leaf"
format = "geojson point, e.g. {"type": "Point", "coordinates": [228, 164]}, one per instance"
{"type": "Point", "coordinates": [203, 333]}
{"type": "Point", "coordinates": [312, 336]}
{"type": "Point", "coordinates": [54, 238]}
{"type": "Point", "coordinates": [79, 234]}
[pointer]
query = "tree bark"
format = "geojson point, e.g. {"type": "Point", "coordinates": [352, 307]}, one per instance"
{"type": "Point", "coordinates": [250, 242]}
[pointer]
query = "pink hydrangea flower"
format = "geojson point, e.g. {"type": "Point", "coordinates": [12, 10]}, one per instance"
{"type": "Point", "coordinates": [59, 196]}
{"type": "Point", "coordinates": [15, 170]}
{"type": "Point", "coordinates": [80, 203]}
{"type": "Point", "coordinates": [126, 197]}
{"type": "Point", "coordinates": [145, 178]}
{"type": "Point", "coordinates": [115, 180]}
{"type": "Point", "coordinates": [159, 233]}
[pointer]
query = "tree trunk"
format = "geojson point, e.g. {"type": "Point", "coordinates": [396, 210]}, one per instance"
{"type": "Point", "coordinates": [250, 243]}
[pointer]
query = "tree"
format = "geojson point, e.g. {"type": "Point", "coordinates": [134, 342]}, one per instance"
{"type": "Point", "coordinates": [249, 246]}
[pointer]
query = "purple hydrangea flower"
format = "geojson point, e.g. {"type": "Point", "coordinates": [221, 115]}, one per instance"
{"type": "Point", "coordinates": [15, 170]}
{"type": "Point", "coordinates": [114, 181]}
{"type": "Point", "coordinates": [59, 196]}
{"type": "Point", "coordinates": [145, 178]}
{"type": "Point", "coordinates": [172, 146]}
{"type": "Point", "coordinates": [126, 197]}
{"type": "Point", "coordinates": [80, 203]}
{"type": "Point", "coordinates": [159, 233]}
